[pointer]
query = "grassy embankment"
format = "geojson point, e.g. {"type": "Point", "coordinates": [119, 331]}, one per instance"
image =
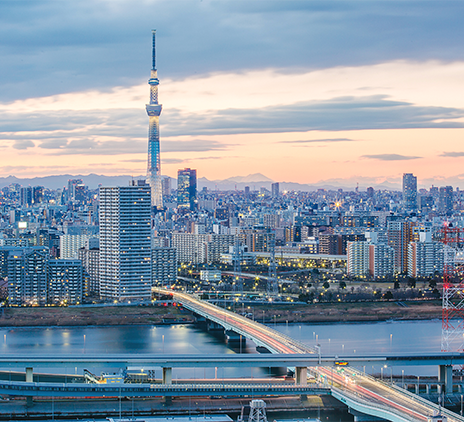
{"type": "Point", "coordinates": [128, 315]}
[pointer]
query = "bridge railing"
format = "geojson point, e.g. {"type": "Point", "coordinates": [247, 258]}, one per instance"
{"type": "Point", "coordinates": [438, 408]}
{"type": "Point", "coordinates": [376, 407]}
{"type": "Point", "coordinates": [198, 306]}
{"type": "Point", "coordinates": [412, 396]}
{"type": "Point", "coordinates": [125, 388]}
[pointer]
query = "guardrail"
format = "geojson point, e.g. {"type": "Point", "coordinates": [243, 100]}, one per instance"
{"type": "Point", "coordinates": [374, 409]}
{"type": "Point", "coordinates": [202, 308]}
{"type": "Point", "coordinates": [43, 389]}
{"type": "Point", "coordinates": [413, 396]}
{"type": "Point", "coordinates": [198, 306]}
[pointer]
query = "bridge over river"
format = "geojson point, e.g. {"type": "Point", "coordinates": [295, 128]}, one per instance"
{"type": "Point", "coordinates": [360, 392]}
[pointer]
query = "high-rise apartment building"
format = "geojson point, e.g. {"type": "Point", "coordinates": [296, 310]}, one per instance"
{"type": "Point", "coordinates": [26, 196]}
{"type": "Point", "coordinates": [37, 194]}
{"type": "Point", "coordinates": [65, 281]}
{"type": "Point", "coordinates": [445, 201]}
{"type": "Point", "coordinates": [187, 188]}
{"type": "Point", "coordinates": [164, 266]}
{"type": "Point", "coordinates": [275, 190]}
{"type": "Point", "coordinates": [90, 258]}
{"type": "Point", "coordinates": [381, 260]}
{"type": "Point", "coordinates": [35, 279]}
{"type": "Point", "coordinates": [125, 243]}
{"type": "Point", "coordinates": [409, 191]}
{"type": "Point", "coordinates": [373, 259]}
{"type": "Point", "coordinates": [72, 183]}
{"type": "Point", "coordinates": [28, 276]}
{"type": "Point", "coordinates": [190, 247]}
{"type": "Point", "coordinates": [425, 257]}
{"type": "Point", "coordinates": [399, 235]}
{"type": "Point", "coordinates": [357, 259]}
{"type": "Point", "coordinates": [166, 185]}
{"type": "Point", "coordinates": [71, 243]}
{"type": "Point", "coordinates": [154, 111]}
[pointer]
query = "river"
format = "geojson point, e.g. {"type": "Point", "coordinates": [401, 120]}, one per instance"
{"type": "Point", "coordinates": [382, 338]}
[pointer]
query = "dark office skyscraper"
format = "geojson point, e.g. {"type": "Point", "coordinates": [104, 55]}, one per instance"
{"type": "Point", "coordinates": [445, 202]}
{"type": "Point", "coordinates": [187, 188]}
{"type": "Point", "coordinates": [275, 190]}
{"type": "Point", "coordinates": [409, 191]}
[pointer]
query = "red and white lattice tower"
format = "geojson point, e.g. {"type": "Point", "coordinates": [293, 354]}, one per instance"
{"type": "Point", "coordinates": [452, 335]}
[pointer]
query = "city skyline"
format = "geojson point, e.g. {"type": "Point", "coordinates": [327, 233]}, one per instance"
{"type": "Point", "coordinates": [306, 92]}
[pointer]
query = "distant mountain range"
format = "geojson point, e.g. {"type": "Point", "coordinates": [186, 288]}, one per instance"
{"type": "Point", "coordinates": [60, 181]}
{"type": "Point", "coordinates": [254, 181]}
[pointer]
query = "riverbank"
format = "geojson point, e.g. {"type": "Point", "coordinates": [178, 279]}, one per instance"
{"type": "Point", "coordinates": [67, 409]}
{"type": "Point", "coordinates": [351, 312]}
{"type": "Point", "coordinates": [269, 313]}
{"type": "Point", "coordinates": [93, 316]}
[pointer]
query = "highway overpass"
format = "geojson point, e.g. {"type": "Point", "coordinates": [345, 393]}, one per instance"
{"type": "Point", "coordinates": [371, 396]}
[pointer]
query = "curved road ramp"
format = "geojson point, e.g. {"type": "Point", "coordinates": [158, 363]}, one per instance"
{"type": "Point", "coordinates": [358, 391]}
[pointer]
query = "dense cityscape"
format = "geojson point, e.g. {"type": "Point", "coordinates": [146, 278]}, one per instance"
{"type": "Point", "coordinates": [164, 297]}
{"type": "Point", "coordinates": [77, 236]}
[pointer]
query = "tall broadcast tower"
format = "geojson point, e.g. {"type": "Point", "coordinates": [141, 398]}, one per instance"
{"type": "Point", "coordinates": [154, 111]}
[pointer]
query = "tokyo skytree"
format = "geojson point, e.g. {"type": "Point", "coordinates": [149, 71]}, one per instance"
{"type": "Point", "coordinates": [154, 111]}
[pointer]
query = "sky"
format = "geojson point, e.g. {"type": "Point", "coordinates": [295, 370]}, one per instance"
{"type": "Point", "coordinates": [299, 91]}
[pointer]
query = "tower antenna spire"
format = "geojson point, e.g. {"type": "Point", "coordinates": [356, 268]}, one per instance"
{"type": "Point", "coordinates": [153, 31]}
{"type": "Point", "coordinates": [154, 111]}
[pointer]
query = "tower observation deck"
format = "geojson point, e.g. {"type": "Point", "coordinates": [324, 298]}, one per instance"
{"type": "Point", "coordinates": [154, 111]}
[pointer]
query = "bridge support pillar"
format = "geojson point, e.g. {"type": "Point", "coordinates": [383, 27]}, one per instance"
{"type": "Point", "coordinates": [29, 375]}
{"type": "Point", "coordinates": [417, 389]}
{"type": "Point", "coordinates": [445, 374]}
{"type": "Point", "coordinates": [427, 388]}
{"type": "Point", "coordinates": [301, 375]}
{"type": "Point", "coordinates": [167, 375]}
{"type": "Point", "coordinates": [361, 417]}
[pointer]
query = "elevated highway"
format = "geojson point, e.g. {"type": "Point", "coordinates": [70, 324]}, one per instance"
{"type": "Point", "coordinates": [358, 391]}
{"type": "Point", "coordinates": [44, 389]}
{"type": "Point", "coordinates": [116, 362]}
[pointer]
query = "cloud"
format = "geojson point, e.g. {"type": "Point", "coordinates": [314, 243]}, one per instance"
{"type": "Point", "coordinates": [193, 145]}
{"type": "Point", "coordinates": [36, 169]}
{"type": "Point", "coordinates": [135, 160]}
{"type": "Point", "coordinates": [124, 131]}
{"type": "Point", "coordinates": [74, 45]}
{"type": "Point", "coordinates": [390, 157]}
{"type": "Point", "coordinates": [340, 113]}
{"type": "Point", "coordinates": [309, 141]}
{"type": "Point", "coordinates": [23, 144]}
{"type": "Point", "coordinates": [187, 160]}
{"type": "Point", "coordinates": [452, 154]}
{"type": "Point", "coordinates": [172, 160]}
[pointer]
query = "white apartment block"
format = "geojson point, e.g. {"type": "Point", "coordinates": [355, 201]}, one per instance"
{"type": "Point", "coordinates": [71, 243]}
{"type": "Point", "coordinates": [425, 259]}
{"type": "Point", "coordinates": [357, 259]}
{"type": "Point", "coordinates": [125, 243]}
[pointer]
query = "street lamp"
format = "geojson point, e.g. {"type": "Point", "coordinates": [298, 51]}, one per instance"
{"type": "Point", "coordinates": [318, 348]}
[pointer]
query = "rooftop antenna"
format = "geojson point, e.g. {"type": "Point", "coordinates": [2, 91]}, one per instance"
{"type": "Point", "coordinates": [272, 283]}
{"type": "Point", "coordinates": [237, 284]}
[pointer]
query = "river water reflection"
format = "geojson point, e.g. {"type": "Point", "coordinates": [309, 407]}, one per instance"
{"type": "Point", "coordinates": [386, 338]}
